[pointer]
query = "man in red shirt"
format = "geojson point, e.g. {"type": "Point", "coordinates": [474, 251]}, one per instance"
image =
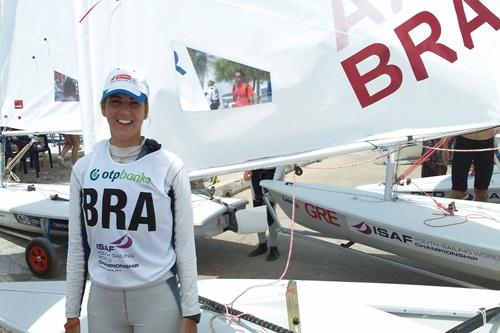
{"type": "Point", "coordinates": [242, 91]}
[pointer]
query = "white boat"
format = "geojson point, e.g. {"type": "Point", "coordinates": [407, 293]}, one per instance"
{"type": "Point", "coordinates": [342, 76]}
{"type": "Point", "coordinates": [306, 306]}
{"type": "Point", "coordinates": [411, 226]}
{"type": "Point", "coordinates": [31, 211]}
{"type": "Point", "coordinates": [439, 186]}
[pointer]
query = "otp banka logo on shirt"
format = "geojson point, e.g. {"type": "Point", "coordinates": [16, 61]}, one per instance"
{"type": "Point", "coordinates": [113, 175]}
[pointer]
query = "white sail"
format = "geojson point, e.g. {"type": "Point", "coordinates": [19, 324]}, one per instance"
{"type": "Point", "coordinates": [433, 72]}
{"type": "Point", "coordinates": [38, 75]}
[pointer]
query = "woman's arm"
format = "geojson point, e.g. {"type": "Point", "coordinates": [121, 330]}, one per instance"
{"type": "Point", "coordinates": [184, 244]}
{"type": "Point", "coordinates": [75, 266]}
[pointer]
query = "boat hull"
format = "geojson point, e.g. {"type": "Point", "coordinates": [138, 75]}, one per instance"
{"type": "Point", "coordinates": [33, 210]}
{"type": "Point", "coordinates": [382, 307]}
{"type": "Point", "coordinates": [411, 226]}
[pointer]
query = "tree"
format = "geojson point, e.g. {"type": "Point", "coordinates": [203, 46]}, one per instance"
{"type": "Point", "coordinates": [200, 63]}
{"type": "Point", "coordinates": [224, 71]}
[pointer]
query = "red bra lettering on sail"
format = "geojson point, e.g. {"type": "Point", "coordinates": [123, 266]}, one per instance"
{"type": "Point", "coordinates": [413, 51]}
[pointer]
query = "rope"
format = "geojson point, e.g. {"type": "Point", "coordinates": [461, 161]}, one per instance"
{"type": "Point", "coordinates": [220, 308]}
{"type": "Point", "coordinates": [230, 317]}
{"type": "Point", "coordinates": [448, 210]}
{"type": "Point", "coordinates": [423, 158]}
{"type": "Point", "coordinates": [354, 164]}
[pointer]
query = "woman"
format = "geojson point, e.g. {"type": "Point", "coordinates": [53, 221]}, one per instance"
{"type": "Point", "coordinates": [131, 223]}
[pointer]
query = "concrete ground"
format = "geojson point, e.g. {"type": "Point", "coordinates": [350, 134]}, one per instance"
{"type": "Point", "coordinates": [313, 257]}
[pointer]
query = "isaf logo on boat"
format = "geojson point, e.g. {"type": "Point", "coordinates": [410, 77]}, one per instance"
{"type": "Point", "coordinates": [363, 228]}
{"type": "Point", "coordinates": [366, 229]}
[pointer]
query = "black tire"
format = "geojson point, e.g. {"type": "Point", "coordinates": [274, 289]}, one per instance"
{"type": "Point", "coordinates": [41, 257]}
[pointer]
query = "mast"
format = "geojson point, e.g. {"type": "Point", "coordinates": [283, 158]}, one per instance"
{"type": "Point", "coordinates": [389, 174]}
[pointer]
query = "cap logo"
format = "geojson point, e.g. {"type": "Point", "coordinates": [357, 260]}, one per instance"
{"type": "Point", "coordinates": [123, 77]}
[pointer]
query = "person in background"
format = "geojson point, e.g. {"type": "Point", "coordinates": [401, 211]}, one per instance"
{"type": "Point", "coordinates": [73, 143]}
{"type": "Point", "coordinates": [242, 91]}
{"type": "Point", "coordinates": [255, 176]}
{"type": "Point", "coordinates": [212, 95]}
{"type": "Point", "coordinates": [131, 226]}
{"type": "Point", "coordinates": [482, 161]}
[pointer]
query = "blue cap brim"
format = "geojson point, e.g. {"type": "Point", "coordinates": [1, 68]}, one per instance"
{"type": "Point", "coordinates": [139, 99]}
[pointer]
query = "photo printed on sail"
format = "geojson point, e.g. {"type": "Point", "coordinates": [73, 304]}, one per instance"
{"type": "Point", "coordinates": [207, 82]}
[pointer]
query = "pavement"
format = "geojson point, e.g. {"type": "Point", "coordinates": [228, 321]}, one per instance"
{"type": "Point", "coordinates": [312, 257]}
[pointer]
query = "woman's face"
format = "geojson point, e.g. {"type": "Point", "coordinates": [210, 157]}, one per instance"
{"type": "Point", "coordinates": [125, 116]}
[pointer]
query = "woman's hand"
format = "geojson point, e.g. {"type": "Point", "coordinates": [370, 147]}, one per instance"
{"type": "Point", "coordinates": [188, 326]}
{"type": "Point", "coordinates": [72, 325]}
{"type": "Point", "coordinates": [247, 175]}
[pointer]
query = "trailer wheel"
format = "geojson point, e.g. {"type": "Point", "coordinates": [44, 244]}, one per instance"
{"type": "Point", "coordinates": [41, 257]}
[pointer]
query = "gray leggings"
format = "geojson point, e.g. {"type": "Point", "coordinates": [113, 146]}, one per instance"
{"type": "Point", "coordinates": [145, 310]}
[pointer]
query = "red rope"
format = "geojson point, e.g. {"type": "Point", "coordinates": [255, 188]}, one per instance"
{"type": "Point", "coordinates": [439, 205]}
{"type": "Point", "coordinates": [230, 318]}
{"type": "Point", "coordinates": [88, 11]}
{"type": "Point", "coordinates": [423, 158]}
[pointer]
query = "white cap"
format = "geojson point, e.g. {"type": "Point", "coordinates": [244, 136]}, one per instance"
{"type": "Point", "coordinates": [126, 81]}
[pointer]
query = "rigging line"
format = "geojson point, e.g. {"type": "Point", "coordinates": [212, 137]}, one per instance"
{"type": "Point", "coordinates": [423, 158]}
{"type": "Point", "coordinates": [467, 150]}
{"type": "Point", "coordinates": [465, 217]}
{"type": "Point", "coordinates": [448, 210]}
{"type": "Point", "coordinates": [88, 11]}
{"type": "Point", "coordinates": [426, 222]}
{"type": "Point", "coordinates": [214, 306]}
{"type": "Point", "coordinates": [353, 164]}
{"type": "Point", "coordinates": [285, 270]}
